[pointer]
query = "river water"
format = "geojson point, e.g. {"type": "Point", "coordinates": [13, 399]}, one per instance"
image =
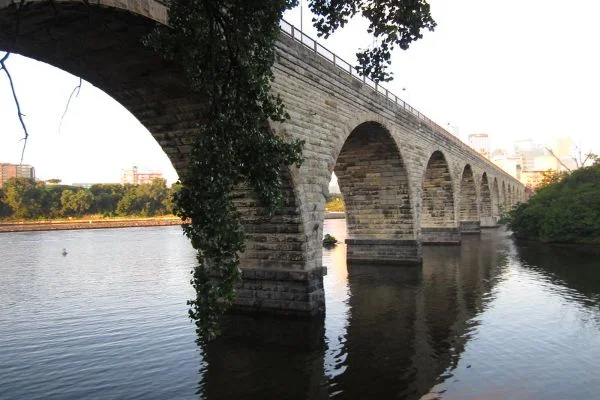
{"type": "Point", "coordinates": [486, 320]}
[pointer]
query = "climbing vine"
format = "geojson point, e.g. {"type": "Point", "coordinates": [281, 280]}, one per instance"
{"type": "Point", "coordinates": [227, 48]}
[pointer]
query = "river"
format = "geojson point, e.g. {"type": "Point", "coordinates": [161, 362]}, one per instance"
{"type": "Point", "coordinates": [485, 320]}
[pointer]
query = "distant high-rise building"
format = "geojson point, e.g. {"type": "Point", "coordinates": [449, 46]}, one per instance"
{"type": "Point", "coordinates": [137, 177]}
{"type": "Point", "coordinates": [8, 171]}
{"type": "Point", "coordinates": [510, 164]}
{"type": "Point", "coordinates": [563, 147]}
{"type": "Point", "coordinates": [527, 151]}
{"type": "Point", "coordinates": [481, 143]}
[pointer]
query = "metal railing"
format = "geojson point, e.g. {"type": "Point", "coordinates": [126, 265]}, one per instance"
{"type": "Point", "coordinates": [310, 43]}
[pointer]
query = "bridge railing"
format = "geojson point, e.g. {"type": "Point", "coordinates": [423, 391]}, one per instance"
{"type": "Point", "coordinates": [295, 33]}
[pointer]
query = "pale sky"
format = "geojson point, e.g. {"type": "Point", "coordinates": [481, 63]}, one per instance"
{"type": "Point", "coordinates": [512, 69]}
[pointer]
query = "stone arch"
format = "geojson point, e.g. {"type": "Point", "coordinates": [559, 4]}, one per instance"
{"type": "Point", "coordinates": [495, 199]}
{"type": "Point", "coordinates": [100, 42]}
{"type": "Point", "coordinates": [504, 201]}
{"type": "Point", "coordinates": [469, 211]}
{"type": "Point", "coordinates": [438, 222]}
{"type": "Point", "coordinates": [374, 183]}
{"type": "Point", "coordinates": [486, 202]}
{"type": "Point", "coordinates": [509, 191]}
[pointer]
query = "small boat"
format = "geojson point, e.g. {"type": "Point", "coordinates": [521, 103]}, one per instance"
{"type": "Point", "coordinates": [64, 252]}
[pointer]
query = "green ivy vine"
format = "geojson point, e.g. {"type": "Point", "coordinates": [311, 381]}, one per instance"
{"type": "Point", "coordinates": [227, 49]}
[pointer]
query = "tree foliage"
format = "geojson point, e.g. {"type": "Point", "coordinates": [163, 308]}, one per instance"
{"type": "Point", "coordinates": [227, 49]}
{"type": "Point", "coordinates": [23, 199]}
{"type": "Point", "coordinates": [391, 22]}
{"type": "Point", "coordinates": [566, 210]}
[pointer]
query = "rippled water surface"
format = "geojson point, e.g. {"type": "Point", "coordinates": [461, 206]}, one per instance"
{"type": "Point", "coordinates": [485, 320]}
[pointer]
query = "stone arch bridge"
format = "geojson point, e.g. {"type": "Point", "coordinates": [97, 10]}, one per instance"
{"type": "Point", "coordinates": [405, 180]}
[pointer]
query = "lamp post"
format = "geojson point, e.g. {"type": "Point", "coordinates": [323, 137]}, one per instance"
{"type": "Point", "coordinates": [301, 15]}
{"type": "Point", "coordinates": [404, 89]}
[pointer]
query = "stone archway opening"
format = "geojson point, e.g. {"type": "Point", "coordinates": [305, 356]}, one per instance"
{"type": "Point", "coordinates": [486, 205]}
{"type": "Point", "coordinates": [495, 200]}
{"type": "Point", "coordinates": [375, 187]}
{"type": "Point", "coordinates": [438, 222]}
{"type": "Point", "coordinates": [102, 43]}
{"type": "Point", "coordinates": [504, 203]}
{"type": "Point", "coordinates": [469, 211]}
{"type": "Point", "coordinates": [103, 46]}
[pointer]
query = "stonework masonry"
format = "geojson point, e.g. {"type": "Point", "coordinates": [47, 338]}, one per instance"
{"type": "Point", "coordinates": [404, 180]}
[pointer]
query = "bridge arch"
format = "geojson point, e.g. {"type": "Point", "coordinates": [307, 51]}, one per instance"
{"type": "Point", "coordinates": [438, 222]}
{"type": "Point", "coordinates": [495, 199]}
{"type": "Point", "coordinates": [375, 186]}
{"type": "Point", "coordinates": [101, 43]}
{"type": "Point", "coordinates": [486, 208]}
{"type": "Point", "coordinates": [504, 201]}
{"type": "Point", "coordinates": [468, 208]}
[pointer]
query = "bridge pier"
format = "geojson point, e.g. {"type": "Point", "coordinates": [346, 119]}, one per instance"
{"type": "Point", "coordinates": [470, 227]}
{"type": "Point", "coordinates": [384, 251]}
{"type": "Point", "coordinates": [280, 292]}
{"type": "Point", "coordinates": [440, 235]}
{"type": "Point", "coordinates": [489, 222]}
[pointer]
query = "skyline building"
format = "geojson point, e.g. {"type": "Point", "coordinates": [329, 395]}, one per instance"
{"type": "Point", "coordinates": [135, 176]}
{"type": "Point", "coordinates": [527, 151]}
{"type": "Point", "coordinates": [8, 171]}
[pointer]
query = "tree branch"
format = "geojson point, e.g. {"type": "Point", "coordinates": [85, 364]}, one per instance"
{"type": "Point", "coordinates": [557, 159]}
{"type": "Point", "coordinates": [19, 113]}
{"type": "Point", "coordinates": [76, 89]}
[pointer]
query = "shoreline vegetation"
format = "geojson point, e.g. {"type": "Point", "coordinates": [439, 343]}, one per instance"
{"type": "Point", "coordinates": [564, 211]}
{"type": "Point", "coordinates": [26, 205]}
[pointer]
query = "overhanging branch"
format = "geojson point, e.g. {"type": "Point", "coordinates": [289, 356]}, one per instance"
{"type": "Point", "coordinates": [76, 89]}
{"type": "Point", "coordinates": [19, 113]}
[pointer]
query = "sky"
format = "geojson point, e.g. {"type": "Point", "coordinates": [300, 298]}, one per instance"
{"type": "Point", "coordinates": [526, 69]}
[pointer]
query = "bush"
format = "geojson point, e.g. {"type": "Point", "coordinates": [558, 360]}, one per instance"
{"type": "Point", "coordinates": [564, 211]}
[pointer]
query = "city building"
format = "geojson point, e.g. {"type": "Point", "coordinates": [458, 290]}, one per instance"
{"type": "Point", "coordinates": [8, 171]}
{"type": "Point", "coordinates": [510, 164]}
{"type": "Point", "coordinates": [137, 177]}
{"type": "Point", "coordinates": [562, 147]}
{"type": "Point", "coordinates": [532, 179]}
{"type": "Point", "coordinates": [527, 151]}
{"type": "Point", "coordinates": [481, 143]}
{"type": "Point", "coordinates": [545, 163]}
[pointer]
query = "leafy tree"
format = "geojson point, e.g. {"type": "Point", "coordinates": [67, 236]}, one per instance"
{"type": "Point", "coordinates": [392, 23]}
{"type": "Point", "coordinates": [5, 210]}
{"type": "Point", "coordinates": [51, 200]}
{"type": "Point", "coordinates": [76, 203]}
{"type": "Point", "coordinates": [24, 198]}
{"type": "Point", "coordinates": [549, 177]}
{"type": "Point", "coordinates": [567, 210]}
{"type": "Point", "coordinates": [106, 197]}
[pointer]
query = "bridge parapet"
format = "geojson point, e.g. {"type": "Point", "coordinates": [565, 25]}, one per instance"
{"type": "Point", "coordinates": [393, 100]}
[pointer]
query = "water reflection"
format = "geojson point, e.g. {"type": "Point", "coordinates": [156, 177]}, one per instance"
{"type": "Point", "coordinates": [390, 331]}
{"type": "Point", "coordinates": [574, 267]}
{"type": "Point", "coordinates": [488, 319]}
{"type": "Point", "coordinates": [265, 359]}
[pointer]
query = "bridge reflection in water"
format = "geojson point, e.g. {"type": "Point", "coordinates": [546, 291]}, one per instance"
{"type": "Point", "coordinates": [392, 331]}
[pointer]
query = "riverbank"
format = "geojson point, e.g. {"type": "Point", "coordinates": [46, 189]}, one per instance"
{"type": "Point", "coordinates": [29, 226]}
{"type": "Point", "coordinates": [104, 223]}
